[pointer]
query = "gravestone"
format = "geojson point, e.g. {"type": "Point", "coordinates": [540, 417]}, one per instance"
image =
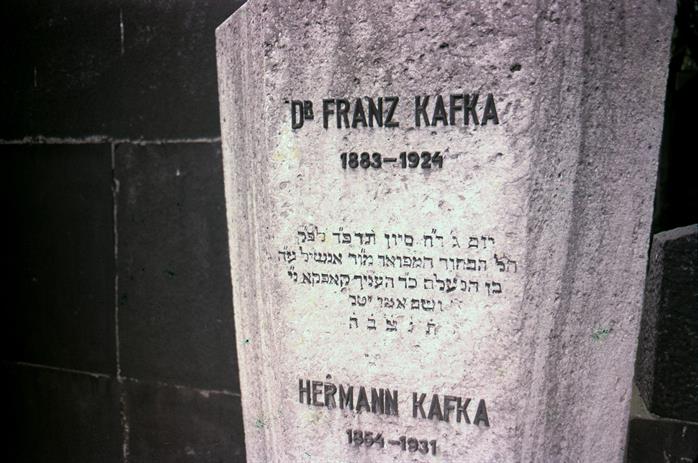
{"type": "Point", "coordinates": [667, 360]}
{"type": "Point", "coordinates": [438, 216]}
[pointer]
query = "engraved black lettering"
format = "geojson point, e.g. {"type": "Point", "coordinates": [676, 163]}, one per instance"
{"type": "Point", "coordinates": [343, 107]}
{"type": "Point", "coordinates": [330, 391]}
{"type": "Point", "coordinates": [439, 112]}
{"type": "Point", "coordinates": [481, 414]}
{"type": "Point", "coordinates": [346, 397]}
{"type": "Point", "coordinates": [304, 391]}
{"type": "Point", "coordinates": [359, 115]}
{"type": "Point", "coordinates": [297, 115]}
{"type": "Point", "coordinates": [375, 112]}
{"type": "Point", "coordinates": [362, 400]}
{"type": "Point", "coordinates": [317, 385]}
{"type": "Point", "coordinates": [449, 406]}
{"type": "Point", "coordinates": [435, 409]}
{"type": "Point", "coordinates": [490, 112]}
{"type": "Point", "coordinates": [327, 111]}
{"type": "Point", "coordinates": [462, 410]}
{"type": "Point", "coordinates": [377, 401]}
{"type": "Point", "coordinates": [308, 110]}
{"type": "Point", "coordinates": [420, 110]}
{"type": "Point", "coordinates": [393, 100]}
{"type": "Point", "coordinates": [469, 105]}
{"type": "Point", "coordinates": [391, 403]}
{"type": "Point", "coordinates": [454, 107]}
{"type": "Point", "coordinates": [418, 405]}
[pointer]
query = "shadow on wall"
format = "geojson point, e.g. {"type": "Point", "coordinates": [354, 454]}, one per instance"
{"type": "Point", "coordinates": [119, 343]}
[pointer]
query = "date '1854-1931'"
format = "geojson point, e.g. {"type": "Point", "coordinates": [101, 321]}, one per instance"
{"type": "Point", "coordinates": [406, 444]}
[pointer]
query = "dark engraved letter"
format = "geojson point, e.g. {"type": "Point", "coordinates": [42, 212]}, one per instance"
{"type": "Point", "coordinates": [377, 401]}
{"type": "Point", "coordinates": [317, 385]}
{"type": "Point", "coordinates": [481, 414]}
{"type": "Point", "coordinates": [308, 110]}
{"type": "Point", "coordinates": [469, 107]}
{"type": "Point", "coordinates": [297, 115]}
{"type": "Point", "coordinates": [304, 391]}
{"type": "Point", "coordinates": [448, 406]}
{"type": "Point", "coordinates": [327, 111]}
{"type": "Point", "coordinates": [391, 403]}
{"type": "Point", "coordinates": [420, 109]}
{"type": "Point", "coordinates": [454, 106]}
{"type": "Point", "coordinates": [362, 400]}
{"type": "Point", "coordinates": [346, 398]}
{"type": "Point", "coordinates": [490, 112]}
{"type": "Point", "coordinates": [418, 405]}
{"type": "Point", "coordinates": [462, 409]}
{"type": "Point", "coordinates": [439, 111]}
{"type": "Point", "coordinates": [393, 100]}
{"type": "Point", "coordinates": [375, 112]}
{"type": "Point", "coordinates": [435, 408]}
{"type": "Point", "coordinates": [359, 114]}
{"type": "Point", "coordinates": [330, 391]}
{"type": "Point", "coordinates": [343, 107]}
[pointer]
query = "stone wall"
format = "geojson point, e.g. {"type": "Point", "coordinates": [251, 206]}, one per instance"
{"type": "Point", "coordinates": [118, 325]}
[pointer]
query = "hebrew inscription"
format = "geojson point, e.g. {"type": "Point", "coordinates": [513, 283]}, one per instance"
{"type": "Point", "coordinates": [395, 281]}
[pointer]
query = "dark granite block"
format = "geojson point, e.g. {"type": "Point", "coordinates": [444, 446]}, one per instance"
{"type": "Point", "coordinates": [667, 360]}
{"type": "Point", "coordinates": [61, 417]}
{"type": "Point", "coordinates": [58, 208]}
{"type": "Point", "coordinates": [666, 441]}
{"type": "Point", "coordinates": [176, 424]}
{"type": "Point", "coordinates": [114, 67]}
{"type": "Point", "coordinates": [175, 301]}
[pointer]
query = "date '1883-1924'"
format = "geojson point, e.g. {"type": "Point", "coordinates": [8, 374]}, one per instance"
{"type": "Point", "coordinates": [407, 159]}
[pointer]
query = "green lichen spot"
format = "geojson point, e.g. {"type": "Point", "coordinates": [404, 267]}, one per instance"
{"type": "Point", "coordinates": [600, 334]}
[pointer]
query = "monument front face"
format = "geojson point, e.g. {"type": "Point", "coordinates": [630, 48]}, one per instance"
{"type": "Point", "coordinates": [438, 217]}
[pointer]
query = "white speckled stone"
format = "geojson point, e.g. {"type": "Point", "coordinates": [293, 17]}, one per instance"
{"type": "Point", "coordinates": [563, 186]}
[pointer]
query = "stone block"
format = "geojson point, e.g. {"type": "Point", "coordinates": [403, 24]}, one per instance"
{"type": "Point", "coordinates": [116, 67]}
{"type": "Point", "coordinates": [60, 249]}
{"type": "Point", "coordinates": [61, 416]}
{"type": "Point", "coordinates": [667, 361]}
{"type": "Point", "coordinates": [175, 309]}
{"type": "Point", "coordinates": [183, 425]}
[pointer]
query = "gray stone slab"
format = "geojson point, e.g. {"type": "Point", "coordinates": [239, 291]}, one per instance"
{"type": "Point", "coordinates": [179, 424]}
{"type": "Point", "coordinates": [175, 310]}
{"type": "Point", "coordinates": [58, 305]}
{"type": "Point", "coordinates": [667, 361]}
{"type": "Point", "coordinates": [505, 279]}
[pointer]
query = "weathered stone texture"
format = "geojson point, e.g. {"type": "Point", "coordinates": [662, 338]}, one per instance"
{"type": "Point", "coordinates": [564, 183]}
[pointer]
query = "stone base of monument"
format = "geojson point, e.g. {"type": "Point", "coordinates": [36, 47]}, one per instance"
{"type": "Point", "coordinates": [664, 417]}
{"type": "Point", "coordinates": [667, 360]}
{"type": "Point", "coordinates": [653, 440]}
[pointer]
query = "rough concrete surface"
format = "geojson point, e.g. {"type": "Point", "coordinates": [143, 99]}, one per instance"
{"type": "Point", "coordinates": [561, 186]}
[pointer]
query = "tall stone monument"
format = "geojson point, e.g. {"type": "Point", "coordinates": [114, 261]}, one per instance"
{"type": "Point", "coordinates": [439, 216]}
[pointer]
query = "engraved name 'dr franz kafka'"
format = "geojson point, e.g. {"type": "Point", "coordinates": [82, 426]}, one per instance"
{"type": "Point", "coordinates": [386, 402]}
{"type": "Point", "coordinates": [456, 109]}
